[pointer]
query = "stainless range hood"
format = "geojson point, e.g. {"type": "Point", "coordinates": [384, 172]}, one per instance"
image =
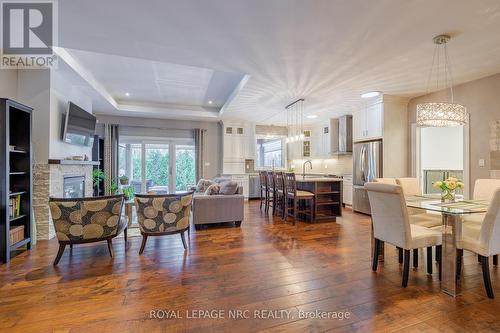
{"type": "Point", "coordinates": [342, 135]}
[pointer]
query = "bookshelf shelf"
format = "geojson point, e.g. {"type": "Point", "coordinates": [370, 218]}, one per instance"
{"type": "Point", "coordinates": [16, 177]}
{"type": "Point", "coordinates": [12, 194]}
{"type": "Point", "coordinates": [13, 218]}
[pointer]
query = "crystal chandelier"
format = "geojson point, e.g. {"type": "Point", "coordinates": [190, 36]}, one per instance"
{"type": "Point", "coordinates": [441, 114]}
{"type": "Point", "coordinates": [295, 121]}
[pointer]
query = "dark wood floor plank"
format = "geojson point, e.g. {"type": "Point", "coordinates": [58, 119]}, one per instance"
{"type": "Point", "coordinates": [264, 265]}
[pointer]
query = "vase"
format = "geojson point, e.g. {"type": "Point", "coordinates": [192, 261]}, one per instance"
{"type": "Point", "coordinates": [448, 196]}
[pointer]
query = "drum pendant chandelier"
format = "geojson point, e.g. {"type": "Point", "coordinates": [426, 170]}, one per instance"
{"type": "Point", "coordinates": [441, 114]}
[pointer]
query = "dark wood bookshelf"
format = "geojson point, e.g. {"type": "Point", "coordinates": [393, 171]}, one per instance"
{"type": "Point", "coordinates": [16, 174]}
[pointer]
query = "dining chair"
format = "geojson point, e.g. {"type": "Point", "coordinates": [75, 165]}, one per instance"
{"type": "Point", "coordinates": [411, 187]}
{"type": "Point", "coordinates": [263, 188]}
{"type": "Point", "coordinates": [484, 239]}
{"type": "Point", "coordinates": [163, 214]}
{"type": "Point", "coordinates": [279, 187]}
{"type": "Point", "coordinates": [391, 181]}
{"type": "Point", "coordinates": [392, 224]}
{"type": "Point", "coordinates": [297, 200]}
{"type": "Point", "coordinates": [87, 220]}
{"type": "Point", "coordinates": [484, 189]}
{"type": "Point", "coordinates": [270, 198]}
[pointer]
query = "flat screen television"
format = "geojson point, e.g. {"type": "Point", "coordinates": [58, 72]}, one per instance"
{"type": "Point", "coordinates": [79, 126]}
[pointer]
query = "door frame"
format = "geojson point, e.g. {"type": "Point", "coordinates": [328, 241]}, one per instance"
{"type": "Point", "coordinates": [170, 142]}
{"type": "Point", "coordinates": [416, 156]}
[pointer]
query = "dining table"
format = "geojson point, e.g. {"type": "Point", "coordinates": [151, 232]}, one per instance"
{"type": "Point", "coordinates": [452, 213]}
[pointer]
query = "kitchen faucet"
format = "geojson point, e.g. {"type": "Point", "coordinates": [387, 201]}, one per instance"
{"type": "Point", "coordinates": [304, 167]}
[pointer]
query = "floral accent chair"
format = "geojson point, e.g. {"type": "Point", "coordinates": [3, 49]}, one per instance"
{"type": "Point", "coordinates": [87, 220]}
{"type": "Point", "coordinates": [163, 214]}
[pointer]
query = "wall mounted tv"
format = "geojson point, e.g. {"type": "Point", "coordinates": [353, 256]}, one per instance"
{"type": "Point", "coordinates": [79, 126]}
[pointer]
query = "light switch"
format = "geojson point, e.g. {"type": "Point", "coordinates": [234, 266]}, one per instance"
{"type": "Point", "coordinates": [207, 163]}
{"type": "Point", "coordinates": [482, 163]}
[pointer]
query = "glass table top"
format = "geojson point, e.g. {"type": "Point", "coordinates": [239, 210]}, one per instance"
{"type": "Point", "coordinates": [458, 207]}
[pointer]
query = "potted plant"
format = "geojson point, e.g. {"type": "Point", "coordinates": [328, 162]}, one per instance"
{"type": "Point", "coordinates": [448, 188]}
{"type": "Point", "coordinates": [98, 176]}
{"type": "Point", "coordinates": [123, 180]}
{"type": "Point", "coordinates": [128, 192]}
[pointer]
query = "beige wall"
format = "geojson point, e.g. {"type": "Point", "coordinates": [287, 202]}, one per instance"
{"type": "Point", "coordinates": [482, 99]}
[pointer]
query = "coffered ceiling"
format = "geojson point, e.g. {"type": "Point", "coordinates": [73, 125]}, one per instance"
{"type": "Point", "coordinates": [251, 58]}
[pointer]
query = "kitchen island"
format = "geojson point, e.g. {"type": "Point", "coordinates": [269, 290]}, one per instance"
{"type": "Point", "coordinates": [327, 196]}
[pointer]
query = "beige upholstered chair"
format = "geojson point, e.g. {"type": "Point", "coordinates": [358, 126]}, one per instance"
{"type": "Point", "coordinates": [87, 220]}
{"type": "Point", "coordinates": [392, 224]}
{"type": "Point", "coordinates": [163, 214]}
{"type": "Point", "coordinates": [410, 186]}
{"type": "Point", "coordinates": [484, 189]}
{"type": "Point", "coordinates": [391, 181]}
{"type": "Point", "coordinates": [484, 238]}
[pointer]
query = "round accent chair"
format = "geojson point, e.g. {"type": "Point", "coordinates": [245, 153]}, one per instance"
{"type": "Point", "coordinates": [87, 220]}
{"type": "Point", "coordinates": [163, 214]}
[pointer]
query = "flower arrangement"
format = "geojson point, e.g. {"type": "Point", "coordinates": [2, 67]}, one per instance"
{"type": "Point", "coordinates": [448, 187]}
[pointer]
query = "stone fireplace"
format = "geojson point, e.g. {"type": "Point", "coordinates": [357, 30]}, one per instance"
{"type": "Point", "coordinates": [73, 186]}
{"type": "Point", "coordinates": [57, 180]}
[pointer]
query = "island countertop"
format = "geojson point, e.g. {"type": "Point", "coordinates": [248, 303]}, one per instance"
{"type": "Point", "coordinates": [317, 179]}
{"type": "Point", "coordinates": [327, 196]}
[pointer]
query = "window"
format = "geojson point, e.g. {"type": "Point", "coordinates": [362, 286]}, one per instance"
{"type": "Point", "coordinates": [160, 166]}
{"type": "Point", "coordinates": [270, 153]}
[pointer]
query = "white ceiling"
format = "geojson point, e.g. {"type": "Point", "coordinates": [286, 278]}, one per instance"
{"type": "Point", "coordinates": [157, 83]}
{"type": "Point", "coordinates": [327, 51]}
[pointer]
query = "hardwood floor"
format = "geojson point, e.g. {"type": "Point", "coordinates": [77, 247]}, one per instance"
{"type": "Point", "coordinates": [264, 265]}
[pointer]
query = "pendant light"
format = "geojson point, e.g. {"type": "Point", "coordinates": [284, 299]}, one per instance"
{"type": "Point", "coordinates": [441, 114]}
{"type": "Point", "coordinates": [295, 121]}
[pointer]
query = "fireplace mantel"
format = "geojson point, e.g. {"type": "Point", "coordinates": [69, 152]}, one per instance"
{"type": "Point", "coordinates": [73, 162]}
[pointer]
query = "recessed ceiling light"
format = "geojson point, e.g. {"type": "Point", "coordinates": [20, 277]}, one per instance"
{"type": "Point", "coordinates": [370, 94]}
{"type": "Point", "coordinates": [210, 102]}
{"type": "Point", "coordinates": [127, 94]}
{"type": "Point", "coordinates": [311, 116]}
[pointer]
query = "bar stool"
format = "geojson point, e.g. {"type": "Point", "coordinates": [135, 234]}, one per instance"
{"type": "Point", "coordinates": [279, 187]}
{"type": "Point", "coordinates": [263, 187]}
{"type": "Point", "coordinates": [270, 202]}
{"type": "Point", "coordinates": [295, 198]}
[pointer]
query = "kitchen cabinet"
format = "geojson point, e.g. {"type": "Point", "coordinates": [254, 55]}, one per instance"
{"type": "Point", "coordinates": [242, 181]}
{"type": "Point", "coordinates": [347, 190]}
{"type": "Point", "coordinates": [321, 140]}
{"type": "Point", "coordinates": [368, 123]}
{"type": "Point", "coordinates": [238, 145]}
{"type": "Point", "coordinates": [385, 117]}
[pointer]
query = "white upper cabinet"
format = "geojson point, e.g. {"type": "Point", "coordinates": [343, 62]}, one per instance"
{"type": "Point", "coordinates": [368, 123]}
{"type": "Point", "coordinates": [238, 142]}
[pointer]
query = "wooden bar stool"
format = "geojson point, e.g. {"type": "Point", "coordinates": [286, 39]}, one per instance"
{"type": "Point", "coordinates": [263, 188]}
{"type": "Point", "coordinates": [270, 199]}
{"type": "Point", "coordinates": [279, 188]}
{"type": "Point", "coordinates": [297, 200]}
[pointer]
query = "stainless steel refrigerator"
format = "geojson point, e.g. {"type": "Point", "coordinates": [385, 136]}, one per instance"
{"type": "Point", "coordinates": [367, 166]}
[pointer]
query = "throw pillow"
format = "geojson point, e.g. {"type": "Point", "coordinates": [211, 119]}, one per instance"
{"type": "Point", "coordinates": [228, 188]}
{"type": "Point", "coordinates": [212, 189]}
{"type": "Point", "coordinates": [220, 180]}
{"type": "Point", "coordinates": [202, 185]}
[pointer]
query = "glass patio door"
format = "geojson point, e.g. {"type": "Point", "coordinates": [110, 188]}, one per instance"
{"type": "Point", "coordinates": [166, 166]}
{"type": "Point", "coordinates": [185, 175]}
{"type": "Point", "coordinates": [157, 167]}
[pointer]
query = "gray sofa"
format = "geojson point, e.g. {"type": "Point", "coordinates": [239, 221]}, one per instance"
{"type": "Point", "coordinates": [219, 208]}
